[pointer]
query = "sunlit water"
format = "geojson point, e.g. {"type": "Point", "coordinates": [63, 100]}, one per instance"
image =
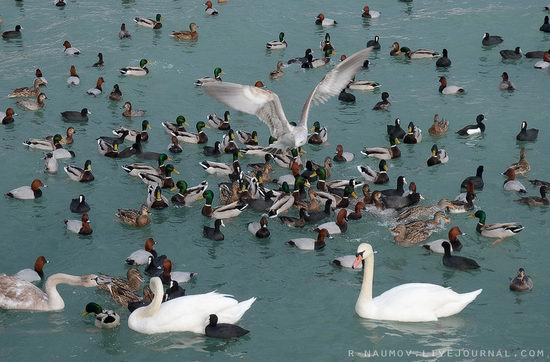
{"type": "Point", "coordinates": [305, 307]}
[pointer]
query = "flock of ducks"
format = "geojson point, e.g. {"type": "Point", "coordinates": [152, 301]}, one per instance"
{"type": "Point", "coordinates": [309, 192]}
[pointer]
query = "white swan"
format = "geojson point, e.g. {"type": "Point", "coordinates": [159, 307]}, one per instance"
{"type": "Point", "coordinates": [189, 313]}
{"type": "Point", "coordinates": [266, 105]}
{"type": "Point", "coordinates": [412, 302]}
{"type": "Point", "coordinates": [20, 294]}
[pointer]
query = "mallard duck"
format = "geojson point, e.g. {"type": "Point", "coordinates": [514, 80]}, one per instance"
{"type": "Point", "coordinates": [209, 9]}
{"type": "Point", "coordinates": [409, 236]}
{"type": "Point", "coordinates": [300, 59]}
{"type": "Point", "coordinates": [134, 217]}
{"type": "Point", "coordinates": [81, 227]}
{"type": "Point", "coordinates": [131, 134]}
{"type": "Point", "coordinates": [381, 153]}
{"type": "Point", "coordinates": [449, 89]}
{"type": "Point", "coordinates": [277, 44]}
{"type": "Point", "coordinates": [174, 145]}
{"type": "Point", "coordinates": [129, 112]}
{"type": "Point", "coordinates": [522, 282]}
{"type": "Point", "coordinates": [230, 193]}
{"type": "Point", "coordinates": [69, 136]}
{"type": "Point", "coordinates": [522, 167]}
{"type": "Point", "coordinates": [165, 180]}
{"type": "Point", "coordinates": [140, 71]}
{"type": "Point", "coordinates": [223, 212]}
{"type": "Point", "coordinates": [436, 246]}
{"type": "Point", "coordinates": [525, 134]}
{"type": "Point", "coordinates": [78, 174]}
{"type": "Point", "coordinates": [141, 256]}
{"type": "Point", "coordinates": [282, 203]}
{"type": "Point", "coordinates": [214, 233]}
{"type": "Point", "coordinates": [439, 219]}
{"type": "Point", "coordinates": [319, 136]}
{"type": "Point", "coordinates": [116, 93]}
{"type": "Point", "coordinates": [192, 34]}
{"type": "Point", "coordinates": [326, 46]}
{"type": "Point", "coordinates": [414, 134]}
{"type": "Point", "coordinates": [321, 20]}
{"type": "Point", "coordinates": [397, 50]}
{"type": "Point", "coordinates": [60, 152]}
{"type": "Point", "coordinates": [200, 137]}
{"type": "Point", "coordinates": [123, 33]}
{"type": "Point", "coordinates": [295, 222]}
{"type": "Point", "coordinates": [474, 129]}
{"type": "Point", "coordinates": [98, 88]}
{"type": "Point", "coordinates": [155, 198]}
{"type": "Point", "coordinates": [217, 77]}
{"type": "Point", "coordinates": [223, 124]}
{"type": "Point", "coordinates": [179, 125]}
{"type": "Point", "coordinates": [310, 244]}
{"type": "Point", "coordinates": [259, 229]}
{"type": "Point", "coordinates": [444, 61]}
{"type": "Point", "coordinates": [123, 291]}
{"type": "Point", "coordinates": [69, 49]}
{"type": "Point", "coordinates": [149, 23]}
{"type": "Point", "coordinates": [511, 184]}
{"type": "Point", "coordinates": [421, 212]}
{"type": "Point", "coordinates": [437, 157]}
{"type": "Point", "coordinates": [73, 79]}
{"type": "Point", "coordinates": [247, 138]}
{"type": "Point", "coordinates": [212, 150]}
{"type": "Point", "coordinates": [7, 117]}
{"type": "Point", "coordinates": [534, 200]}
{"type": "Point", "coordinates": [76, 116]}
{"type": "Point", "coordinates": [363, 85]}
{"type": "Point", "coordinates": [439, 127]}
{"type": "Point", "coordinates": [228, 142]}
{"type": "Point", "coordinates": [422, 54]}
{"type": "Point", "coordinates": [377, 177]}
{"type": "Point", "coordinates": [27, 192]}
{"type": "Point", "coordinates": [44, 144]}
{"type": "Point", "coordinates": [12, 34]}
{"type": "Point", "coordinates": [33, 275]}
{"type": "Point", "coordinates": [33, 105]}
{"type": "Point", "coordinates": [135, 169]}
{"type": "Point", "coordinates": [218, 168]}
{"type": "Point", "coordinates": [50, 163]}
{"type": "Point", "coordinates": [278, 72]}
{"type": "Point", "coordinates": [462, 206]}
{"type": "Point", "coordinates": [499, 231]}
{"type": "Point", "coordinates": [104, 318]}
{"type": "Point", "coordinates": [26, 92]}
{"type": "Point", "coordinates": [457, 262]}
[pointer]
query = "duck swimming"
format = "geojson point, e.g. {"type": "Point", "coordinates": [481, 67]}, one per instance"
{"type": "Point", "coordinates": [506, 84]}
{"type": "Point", "coordinates": [129, 112]}
{"type": "Point", "coordinates": [457, 262]}
{"type": "Point", "coordinates": [73, 79]}
{"type": "Point", "coordinates": [449, 89]}
{"type": "Point", "coordinates": [489, 40]}
{"type": "Point", "coordinates": [545, 62]}
{"type": "Point", "coordinates": [525, 134]}
{"type": "Point", "coordinates": [217, 78]}
{"type": "Point", "coordinates": [534, 200]}
{"type": "Point", "coordinates": [438, 156]}
{"type": "Point", "coordinates": [397, 50]}
{"type": "Point", "coordinates": [98, 88]}
{"type": "Point", "coordinates": [50, 163]}
{"type": "Point", "coordinates": [370, 14]}
{"type": "Point", "coordinates": [395, 130]}
{"type": "Point", "coordinates": [384, 104]}
{"type": "Point", "coordinates": [27, 192]}
{"type": "Point", "coordinates": [545, 27]}
{"type": "Point", "coordinates": [346, 97]}
{"type": "Point", "coordinates": [414, 302]}
{"type": "Point", "coordinates": [335, 227]}
{"type": "Point", "coordinates": [76, 116]}
{"type": "Point", "coordinates": [233, 209]}
{"type": "Point", "coordinates": [381, 153]}
{"type": "Point", "coordinates": [259, 229]}
{"type": "Point", "coordinates": [12, 34]}
{"type": "Point", "coordinates": [499, 231]}
{"type": "Point", "coordinates": [300, 59]}
{"type": "Point", "coordinates": [477, 180]}
{"type": "Point", "coordinates": [140, 71]}
{"type": "Point", "coordinates": [511, 184]}
{"type": "Point", "coordinates": [132, 135]}
{"type": "Point", "coordinates": [78, 174]}
{"type": "Point", "coordinates": [123, 33]}
{"type": "Point", "coordinates": [522, 282]}
{"type": "Point", "coordinates": [116, 93]}
{"type": "Point", "coordinates": [477, 128]}
{"type": "Point", "coordinates": [33, 275]}
{"type": "Point", "coordinates": [33, 105]}
{"type": "Point", "coordinates": [439, 126]}
{"type": "Point", "coordinates": [414, 134]}
{"type": "Point", "coordinates": [436, 246]}
{"type": "Point", "coordinates": [103, 318]}
{"type": "Point", "coordinates": [79, 205]}
{"type": "Point", "coordinates": [267, 107]}
{"type": "Point", "coordinates": [377, 177]}
{"type": "Point", "coordinates": [321, 20]}
{"type": "Point", "coordinates": [319, 135]}
{"type": "Point", "coordinates": [511, 54]}
{"type": "Point", "coordinates": [141, 256]}
{"type": "Point", "coordinates": [223, 330]}
{"type": "Point", "coordinates": [214, 233]}
{"type": "Point", "coordinates": [7, 117]}
{"type": "Point", "coordinates": [25, 92]}
{"type": "Point", "coordinates": [192, 34]}
{"type": "Point", "coordinates": [209, 9]}
{"type": "Point", "coordinates": [100, 63]}
{"type": "Point", "coordinates": [132, 217]}
{"type": "Point", "coordinates": [21, 295]}
{"type": "Point", "coordinates": [310, 244]}
{"type": "Point", "coordinates": [342, 156]}
{"type": "Point", "coordinates": [155, 198]}
{"type": "Point", "coordinates": [81, 227]}
{"type": "Point", "coordinates": [443, 61]}
{"type": "Point", "coordinates": [149, 23]}
{"type": "Point", "coordinates": [277, 44]}
{"type": "Point", "coordinates": [69, 50]}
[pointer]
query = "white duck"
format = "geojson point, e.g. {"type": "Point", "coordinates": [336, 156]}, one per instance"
{"type": "Point", "coordinates": [22, 295]}
{"type": "Point", "coordinates": [267, 107]}
{"type": "Point", "coordinates": [413, 302]}
{"type": "Point", "coordinates": [189, 313]}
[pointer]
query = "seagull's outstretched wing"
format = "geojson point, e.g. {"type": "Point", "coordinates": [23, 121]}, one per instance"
{"type": "Point", "coordinates": [334, 81]}
{"type": "Point", "coordinates": [262, 103]}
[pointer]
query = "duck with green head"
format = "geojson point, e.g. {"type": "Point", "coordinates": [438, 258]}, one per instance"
{"type": "Point", "coordinates": [219, 168]}
{"type": "Point", "coordinates": [165, 180]}
{"type": "Point", "coordinates": [178, 126]}
{"type": "Point", "coordinates": [131, 134]}
{"type": "Point", "coordinates": [103, 318]}
{"type": "Point", "coordinates": [135, 169]}
{"type": "Point", "coordinates": [196, 138]}
{"type": "Point", "coordinates": [80, 174]}
{"type": "Point", "coordinates": [228, 142]}
{"type": "Point", "coordinates": [299, 191]}
{"type": "Point", "coordinates": [149, 23]}
{"type": "Point", "coordinates": [499, 231]}
{"type": "Point", "coordinates": [140, 71]}
{"type": "Point", "coordinates": [155, 199]}
{"type": "Point", "coordinates": [188, 195]}
{"type": "Point", "coordinates": [277, 44]}
{"type": "Point", "coordinates": [319, 136]}
{"type": "Point", "coordinates": [223, 212]}
{"type": "Point", "coordinates": [217, 77]}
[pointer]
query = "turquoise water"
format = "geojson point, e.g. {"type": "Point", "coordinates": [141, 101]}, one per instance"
{"type": "Point", "coordinates": [305, 307]}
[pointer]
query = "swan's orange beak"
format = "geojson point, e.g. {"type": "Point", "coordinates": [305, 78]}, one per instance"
{"type": "Point", "coordinates": [357, 262]}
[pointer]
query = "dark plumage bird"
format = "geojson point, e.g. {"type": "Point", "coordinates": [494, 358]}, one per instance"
{"type": "Point", "coordinates": [476, 180]}
{"type": "Point", "coordinates": [525, 134]}
{"type": "Point", "coordinates": [395, 131]}
{"type": "Point", "coordinates": [398, 191]}
{"type": "Point", "coordinates": [212, 150]}
{"type": "Point", "coordinates": [346, 97]}
{"type": "Point", "coordinates": [10, 34]}
{"type": "Point", "coordinates": [75, 116]}
{"type": "Point", "coordinates": [472, 129]}
{"type": "Point", "coordinates": [535, 200]}
{"type": "Point", "coordinates": [374, 43]}
{"type": "Point", "coordinates": [100, 61]}
{"type": "Point", "coordinates": [295, 222]}
{"type": "Point", "coordinates": [443, 61]}
{"type": "Point", "coordinates": [522, 282]}
{"type": "Point", "coordinates": [115, 140]}
{"type": "Point", "coordinates": [511, 54]}
{"type": "Point", "coordinates": [175, 291]}
{"type": "Point", "coordinates": [223, 330]}
{"type": "Point", "coordinates": [214, 233]}
{"type": "Point", "coordinates": [457, 262]}
{"type": "Point", "coordinates": [489, 40]}
{"type": "Point", "coordinates": [300, 59]}
{"type": "Point", "coordinates": [546, 26]}
{"type": "Point", "coordinates": [315, 216]}
{"type": "Point", "coordinates": [384, 104]}
{"type": "Point", "coordinates": [537, 54]}
{"type": "Point", "coordinates": [79, 205]}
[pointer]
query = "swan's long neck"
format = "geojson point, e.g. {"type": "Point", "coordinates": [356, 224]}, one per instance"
{"type": "Point", "coordinates": [55, 302]}
{"type": "Point", "coordinates": [154, 306]}
{"type": "Point", "coordinates": [366, 288]}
